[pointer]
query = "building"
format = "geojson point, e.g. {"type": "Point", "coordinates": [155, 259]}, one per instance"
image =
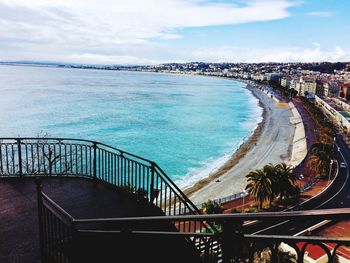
{"type": "Point", "coordinates": [286, 81]}
{"type": "Point", "coordinates": [334, 89]}
{"type": "Point", "coordinates": [307, 85]}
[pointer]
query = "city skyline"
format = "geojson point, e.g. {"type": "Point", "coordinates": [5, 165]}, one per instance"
{"type": "Point", "coordinates": [152, 32]}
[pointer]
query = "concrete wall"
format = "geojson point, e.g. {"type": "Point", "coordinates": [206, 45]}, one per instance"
{"type": "Point", "coordinates": [299, 150]}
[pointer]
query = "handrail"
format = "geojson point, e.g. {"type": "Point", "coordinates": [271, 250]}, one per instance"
{"type": "Point", "coordinates": [75, 139]}
{"type": "Point", "coordinates": [58, 207]}
{"type": "Point", "coordinates": [171, 182]}
{"type": "Point", "coordinates": [211, 246]}
{"type": "Point", "coordinates": [337, 213]}
{"type": "Point", "coordinates": [52, 156]}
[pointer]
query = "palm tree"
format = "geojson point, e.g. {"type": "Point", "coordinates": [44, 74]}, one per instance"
{"type": "Point", "coordinates": [259, 186]}
{"type": "Point", "coordinates": [285, 181]}
{"type": "Point", "coordinates": [271, 172]}
{"type": "Point", "coordinates": [321, 157]}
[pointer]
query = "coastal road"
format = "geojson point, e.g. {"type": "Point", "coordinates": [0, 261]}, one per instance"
{"type": "Point", "coordinates": [336, 196]}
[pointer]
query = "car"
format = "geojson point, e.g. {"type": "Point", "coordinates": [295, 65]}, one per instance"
{"type": "Point", "coordinates": [342, 165]}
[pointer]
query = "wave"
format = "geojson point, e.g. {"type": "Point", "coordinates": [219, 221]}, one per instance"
{"type": "Point", "coordinates": [214, 164]}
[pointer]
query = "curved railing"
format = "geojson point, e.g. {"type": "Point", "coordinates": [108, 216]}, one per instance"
{"type": "Point", "coordinates": [24, 157]}
{"type": "Point", "coordinates": [229, 243]}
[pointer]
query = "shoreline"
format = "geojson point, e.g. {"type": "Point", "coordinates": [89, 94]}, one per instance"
{"type": "Point", "coordinates": [242, 150]}
{"type": "Point", "coordinates": [269, 143]}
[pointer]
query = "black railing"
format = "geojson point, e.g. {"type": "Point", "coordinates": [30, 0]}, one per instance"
{"type": "Point", "coordinates": [228, 242]}
{"type": "Point", "coordinates": [23, 157]}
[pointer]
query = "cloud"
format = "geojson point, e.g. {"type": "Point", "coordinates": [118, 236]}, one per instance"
{"type": "Point", "coordinates": [249, 55]}
{"type": "Point", "coordinates": [62, 29]}
{"type": "Point", "coordinates": [320, 14]}
{"type": "Point", "coordinates": [105, 59]}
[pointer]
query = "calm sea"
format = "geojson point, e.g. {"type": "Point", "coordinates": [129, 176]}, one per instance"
{"type": "Point", "coordinates": [189, 125]}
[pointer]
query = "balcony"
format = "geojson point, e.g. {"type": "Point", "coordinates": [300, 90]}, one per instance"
{"type": "Point", "coordinates": [95, 203]}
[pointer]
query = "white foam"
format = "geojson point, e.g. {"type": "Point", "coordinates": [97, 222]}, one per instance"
{"type": "Point", "coordinates": [212, 165]}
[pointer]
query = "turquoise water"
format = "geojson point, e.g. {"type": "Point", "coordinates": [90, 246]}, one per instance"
{"type": "Point", "coordinates": [189, 125]}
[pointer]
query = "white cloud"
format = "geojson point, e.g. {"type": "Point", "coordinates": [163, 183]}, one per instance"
{"type": "Point", "coordinates": [321, 14]}
{"type": "Point", "coordinates": [119, 31]}
{"type": "Point", "coordinates": [239, 54]}
{"type": "Point", "coordinates": [62, 29]}
{"type": "Point", "coordinates": [105, 59]}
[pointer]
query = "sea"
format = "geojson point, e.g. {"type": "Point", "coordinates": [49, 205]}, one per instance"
{"type": "Point", "coordinates": [189, 125]}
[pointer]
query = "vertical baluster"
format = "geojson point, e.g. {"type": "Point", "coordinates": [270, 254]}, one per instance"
{"type": "Point", "coordinates": [91, 168]}
{"type": "Point", "coordinates": [13, 160]}
{"type": "Point", "coordinates": [110, 171]}
{"type": "Point", "coordinates": [170, 191]}
{"type": "Point", "coordinates": [55, 237]}
{"type": "Point", "coordinates": [112, 168]}
{"type": "Point", "coordinates": [19, 151]}
{"type": "Point", "coordinates": [139, 176]}
{"type": "Point", "coordinates": [32, 158]}
{"type": "Point", "coordinates": [60, 156]}
{"type": "Point", "coordinates": [38, 157]}
{"type": "Point", "coordinates": [43, 158]}
{"type": "Point", "coordinates": [121, 169]}
{"type": "Point", "coordinates": [161, 194]}
{"type": "Point", "coordinates": [40, 215]}
{"type": "Point", "coordinates": [125, 175]}
{"type": "Point", "coordinates": [129, 174]}
{"type": "Point", "coordinates": [81, 168]}
{"type": "Point", "coordinates": [55, 158]}
{"type": "Point", "coordinates": [76, 159]}
{"type": "Point", "coordinates": [71, 158]}
{"type": "Point", "coordinates": [1, 164]}
{"type": "Point", "coordinates": [114, 164]}
{"type": "Point", "coordinates": [131, 168]}
{"type": "Point", "coordinates": [148, 183]}
{"type": "Point", "coordinates": [106, 166]}
{"type": "Point", "coordinates": [100, 163]}
{"type": "Point", "coordinates": [86, 161]}
{"type": "Point", "coordinates": [66, 165]}
{"type": "Point", "coordinates": [152, 182]}
{"type": "Point", "coordinates": [119, 177]}
{"type": "Point", "coordinates": [103, 164]}
{"type": "Point", "coordinates": [95, 161]}
{"type": "Point", "coordinates": [166, 199]}
{"type": "Point", "coordinates": [143, 178]}
{"type": "Point", "coordinates": [7, 160]}
{"type": "Point", "coordinates": [174, 209]}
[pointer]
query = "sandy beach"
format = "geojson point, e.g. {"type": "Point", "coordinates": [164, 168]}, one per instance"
{"type": "Point", "coordinates": [271, 142]}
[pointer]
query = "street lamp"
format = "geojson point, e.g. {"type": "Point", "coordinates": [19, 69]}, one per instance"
{"type": "Point", "coordinates": [330, 171]}
{"type": "Point", "coordinates": [301, 177]}
{"type": "Point", "coordinates": [244, 194]}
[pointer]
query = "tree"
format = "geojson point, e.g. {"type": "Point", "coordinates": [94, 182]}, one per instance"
{"type": "Point", "coordinates": [293, 92]}
{"type": "Point", "coordinates": [285, 181]}
{"type": "Point", "coordinates": [321, 157]}
{"type": "Point", "coordinates": [212, 207]}
{"type": "Point", "coordinates": [271, 172]}
{"type": "Point", "coordinates": [259, 185]}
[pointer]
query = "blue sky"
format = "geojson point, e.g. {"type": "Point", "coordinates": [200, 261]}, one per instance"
{"type": "Point", "coordinates": [157, 31]}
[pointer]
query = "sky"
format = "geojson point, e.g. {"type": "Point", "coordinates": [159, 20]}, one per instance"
{"type": "Point", "coordinates": [161, 31]}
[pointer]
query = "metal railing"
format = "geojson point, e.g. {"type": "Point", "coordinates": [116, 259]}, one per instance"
{"type": "Point", "coordinates": [61, 234]}
{"type": "Point", "coordinates": [23, 157]}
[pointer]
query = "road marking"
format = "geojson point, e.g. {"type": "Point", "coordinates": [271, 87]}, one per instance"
{"type": "Point", "coordinates": [341, 189]}
{"type": "Point", "coordinates": [262, 230]}
{"type": "Point", "coordinates": [313, 227]}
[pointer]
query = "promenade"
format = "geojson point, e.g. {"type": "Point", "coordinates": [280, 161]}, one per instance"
{"type": "Point", "coordinates": [272, 145]}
